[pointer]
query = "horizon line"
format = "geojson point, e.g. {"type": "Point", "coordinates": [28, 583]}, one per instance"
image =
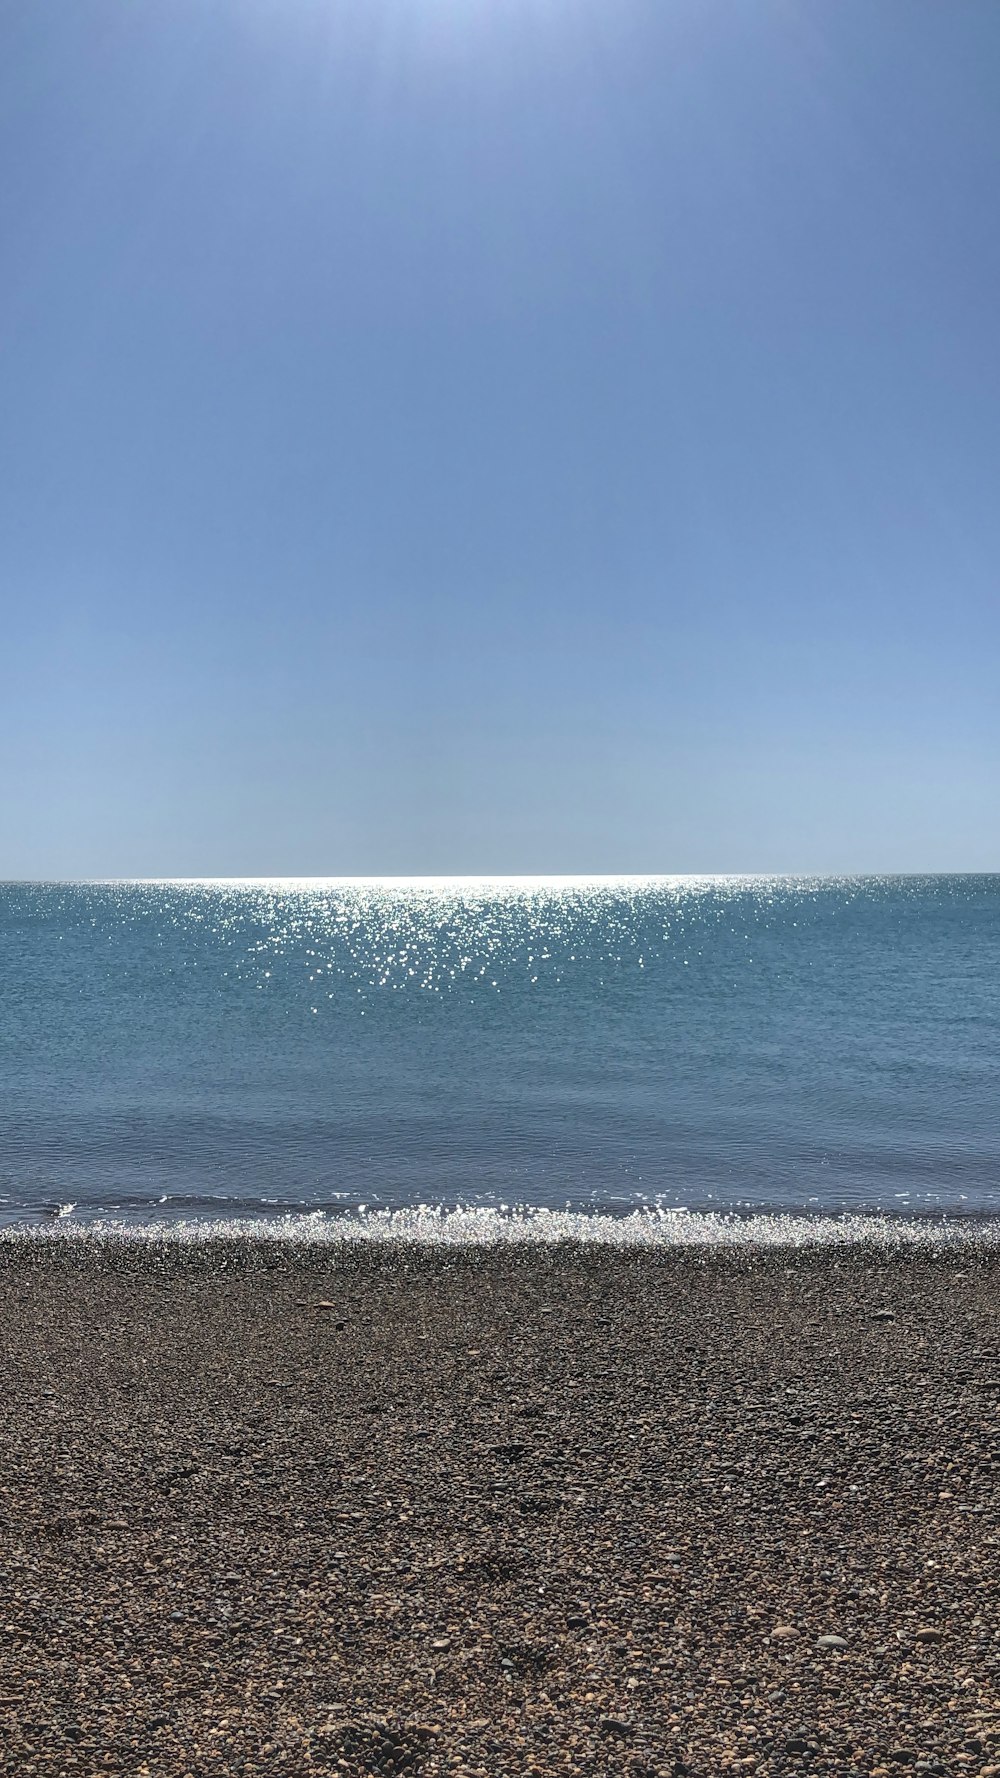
{"type": "Point", "coordinates": [534, 879]}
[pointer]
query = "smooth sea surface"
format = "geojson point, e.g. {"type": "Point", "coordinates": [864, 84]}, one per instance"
{"type": "Point", "coordinates": [229, 1050]}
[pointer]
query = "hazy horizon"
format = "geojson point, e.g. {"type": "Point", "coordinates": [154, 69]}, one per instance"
{"type": "Point", "coordinates": [492, 879]}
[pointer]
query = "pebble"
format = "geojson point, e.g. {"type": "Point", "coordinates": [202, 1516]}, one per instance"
{"type": "Point", "coordinates": [642, 1603]}
{"type": "Point", "coordinates": [615, 1725]}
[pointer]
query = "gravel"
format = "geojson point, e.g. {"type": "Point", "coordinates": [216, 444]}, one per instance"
{"type": "Point", "coordinates": [549, 1510]}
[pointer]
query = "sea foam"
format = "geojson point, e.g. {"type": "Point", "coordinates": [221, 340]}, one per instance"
{"type": "Point", "coordinates": [427, 1226]}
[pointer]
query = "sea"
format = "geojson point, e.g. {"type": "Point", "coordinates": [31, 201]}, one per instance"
{"type": "Point", "coordinates": [668, 1057]}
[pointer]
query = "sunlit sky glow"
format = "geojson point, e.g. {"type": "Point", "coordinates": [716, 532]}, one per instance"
{"type": "Point", "coordinates": [499, 436]}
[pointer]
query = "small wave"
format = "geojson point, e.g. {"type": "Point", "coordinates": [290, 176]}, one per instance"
{"type": "Point", "coordinates": [431, 1226]}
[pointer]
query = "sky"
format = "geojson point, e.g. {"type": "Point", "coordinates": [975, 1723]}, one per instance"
{"type": "Point", "coordinates": [497, 436]}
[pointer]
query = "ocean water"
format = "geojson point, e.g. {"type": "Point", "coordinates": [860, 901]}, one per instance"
{"type": "Point", "coordinates": [654, 1048]}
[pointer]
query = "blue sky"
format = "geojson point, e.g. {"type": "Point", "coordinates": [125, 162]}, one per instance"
{"type": "Point", "coordinates": [499, 435]}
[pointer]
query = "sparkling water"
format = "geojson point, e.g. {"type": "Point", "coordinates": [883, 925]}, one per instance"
{"type": "Point", "coordinates": [234, 1050]}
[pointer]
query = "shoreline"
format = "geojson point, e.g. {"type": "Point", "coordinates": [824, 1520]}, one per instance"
{"type": "Point", "coordinates": [487, 1228]}
{"type": "Point", "coordinates": [536, 1508]}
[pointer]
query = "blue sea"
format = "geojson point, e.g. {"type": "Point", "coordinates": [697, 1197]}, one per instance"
{"type": "Point", "coordinates": [731, 1047]}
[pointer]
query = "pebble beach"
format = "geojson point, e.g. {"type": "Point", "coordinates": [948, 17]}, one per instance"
{"type": "Point", "coordinates": [548, 1509]}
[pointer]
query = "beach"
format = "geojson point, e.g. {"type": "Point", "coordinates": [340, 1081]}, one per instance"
{"type": "Point", "coordinates": [268, 1508]}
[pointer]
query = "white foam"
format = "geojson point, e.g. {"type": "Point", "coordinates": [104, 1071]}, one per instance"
{"type": "Point", "coordinates": [427, 1225]}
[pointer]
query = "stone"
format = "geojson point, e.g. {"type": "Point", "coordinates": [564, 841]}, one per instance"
{"type": "Point", "coordinates": [929, 1634]}
{"type": "Point", "coordinates": [615, 1725]}
{"type": "Point", "coordinates": [832, 1642]}
{"type": "Point", "coordinates": [782, 1632]}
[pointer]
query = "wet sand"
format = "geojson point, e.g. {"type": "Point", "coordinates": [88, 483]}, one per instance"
{"type": "Point", "coordinates": [542, 1510]}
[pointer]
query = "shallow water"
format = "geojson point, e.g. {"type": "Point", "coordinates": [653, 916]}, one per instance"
{"type": "Point", "coordinates": [222, 1051]}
